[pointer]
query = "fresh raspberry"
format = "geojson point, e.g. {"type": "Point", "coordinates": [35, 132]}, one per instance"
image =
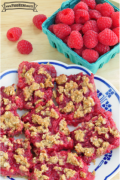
{"type": "Point", "coordinates": [79, 51]}
{"type": "Point", "coordinates": [61, 30]}
{"type": "Point", "coordinates": [57, 19]}
{"type": "Point", "coordinates": [14, 33]}
{"type": "Point", "coordinates": [117, 32]}
{"type": "Point", "coordinates": [115, 19]}
{"type": "Point", "coordinates": [50, 28]}
{"type": "Point", "coordinates": [102, 49]}
{"type": "Point", "coordinates": [90, 25]}
{"type": "Point", "coordinates": [75, 40]}
{"type": "Point", "coordinates": [38, 20]}
{"type": "Point", "coordinates": [76, 27]}
{"type": "Point", "coordinates": [94, 14]}
{"type": "Point", "coordinates": [24, 47]}
{"type": "Point", "coordinates": [90, 39]}
{"type": "Point", "coordinates": [91, 3]}
{"type": "Point", "coordinates": [108, 37]}
{"type": "Point", "coordinates": [67, 16]}
{"type": "Point", "coordinates": [98, 7]}
{"type": "Point", "coordinates": [66, 39]}
{"type": "Point", "coordinates": [90, 55]}
{"type": "Point", "coordinates": [81, 5]}
{"type": "Point", "coordinates": [104, 22]}
{"type": "Point", "coordinates": [106, 9]}
{"type": "Point", "coordinates": [81, 16]}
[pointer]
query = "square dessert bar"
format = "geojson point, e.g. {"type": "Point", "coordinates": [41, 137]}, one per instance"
{"type": "Point", "coordinates": [8, 99]}
{"type": "Point", "coordinates": [15, 157]}
{"type": "Point", "coordinates": [35, 83]}
{"type": "Point", "coordinates": [77, 97]}
{"type": "Point", "coordinates": [62, 165]}
{"type": "Point", "coordinates": [96, 137]}
{"type": "Point", "coordinates": [46, 129]}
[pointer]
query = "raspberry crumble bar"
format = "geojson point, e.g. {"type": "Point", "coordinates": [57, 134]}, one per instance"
{"type": "Point", "coordinates": [15, 157]}
{"type": "Point", "coordinates": [96, 137]}
{"type": "Point", "coordinates": [77, 97]}
{"type": "Point", "coordinates": [8, 99]}
{"type": "Point", "coordinates": [46, 129]}
{"type": "Point", "coordinates": [62, 165]}
{"type": "Point", "coordinates": [35, 83]}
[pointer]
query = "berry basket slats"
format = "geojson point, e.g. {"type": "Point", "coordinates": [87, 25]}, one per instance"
{"type": "Point", "coordinates": [64, 49]}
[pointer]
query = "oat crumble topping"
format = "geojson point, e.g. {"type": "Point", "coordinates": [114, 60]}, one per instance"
{"type": "Point", "coordinates": [29, 76]}
{"type": "Point", "coordinates": [28, 91]}
{"type": "Point", "coordinates": [68, 108]}
{"type": "Point", "coordinates": [3, 160]}
{"type": "Point", "coordinates": [39, 94]}
{"type": "Point", "coordinates": [96, 141]}
{"type": "Point", "coordinates": [61, 79]}
{"type": "Point", "coordinates": [69, 172]}
{"type": "Point", "coordinates": [8, 120]}
{"type": "Point", "coordinates": [73, 160]}
{"type": "Point", "coordinates": [83, 174]}
{"type": "Point", "coordinates": [45, 122]}
{"type": "Point", "coordinates": [63, 127]}
{"type": "Point", "coordinates": [48, 141]}
{"type": "Point", "coordinates": [79, 135]}
{"type": "Point", "coordinates": [87, 151]}
{"type": "Point", "coordinates": [21, 160]}
{"type": "Point", "coordinates": [10, 90]}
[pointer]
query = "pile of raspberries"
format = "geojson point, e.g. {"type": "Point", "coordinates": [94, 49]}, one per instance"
{"type": "Point", "coordinates": [89, 29]}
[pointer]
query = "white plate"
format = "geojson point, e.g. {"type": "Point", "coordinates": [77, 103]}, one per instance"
{"type": "Point", "coordinates": [108, 165]}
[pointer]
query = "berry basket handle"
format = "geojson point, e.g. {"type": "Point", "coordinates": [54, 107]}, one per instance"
{"type": "Point", "coordinates": [65, 5]}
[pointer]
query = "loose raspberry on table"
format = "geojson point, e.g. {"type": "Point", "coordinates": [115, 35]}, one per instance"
{"type": "Point", "coordinates": [81, 5]}
{"type": "Point", "coordinates": [102, 49]}
{"type": "Point", "coordinates": [98, 7]}
{"type": "Point", "coordinates": [90, 55]}
{"type": "Point", "coordinates": [24, 47]}
{"type": "Point", "coordinates": [117, 32]}
{"type": "Point", "coordinates": [50, 28]}
{"type": "Point", "coordinates": [14, 33]}
{"type": "Point", "coordinates": [94, 14]}
{"type": "Point", "coordinates": [79, 51]}
{"type": "Point", "coordinates": [106, 9]}
{"type": "Point", "coordinates": [115, 19]}
{"type": "Point", "coordinates": [90, 25]}
{"type": "Point", "coordinates": [76, 27]}
{"type": "Point", "coordinates": [108, 37]}
{"type": "Point", "coordinates": [61, 30]}
{"type": "Point", "coordinates": [81, 16]}
{"type": "Point", "coordinates": [75, 40]}
{"type": "Point", "coordinates": [67, 16]}
{"type": "Point", "coordinates": [104, 22]}
{"type": "Point", "coordinates": [38, 20]}
{"type": "Point", "coordinates": [57, 19]}
{"type": "Point", "coordinates": [90, 39]}
{"type": "Point", "coordinates": [91, 3]}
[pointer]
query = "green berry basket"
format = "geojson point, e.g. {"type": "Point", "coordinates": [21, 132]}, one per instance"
{"type": "Point", "coordinates": [69, 53]}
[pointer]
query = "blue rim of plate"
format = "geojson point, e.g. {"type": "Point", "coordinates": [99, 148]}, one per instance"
{"type": "Point", "coordinates": [72, 67]}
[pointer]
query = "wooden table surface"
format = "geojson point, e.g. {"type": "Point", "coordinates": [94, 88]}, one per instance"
{"type": "Point", "coordinates": [11, 58]}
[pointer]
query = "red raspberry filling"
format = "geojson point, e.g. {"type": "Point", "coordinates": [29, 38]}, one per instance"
{"type": "Point", "coordinates": [96, 137]}
{"type": "Point", "coordinates": [77, 97]}
{"type": "Point", "coordinates": [61, 165]}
